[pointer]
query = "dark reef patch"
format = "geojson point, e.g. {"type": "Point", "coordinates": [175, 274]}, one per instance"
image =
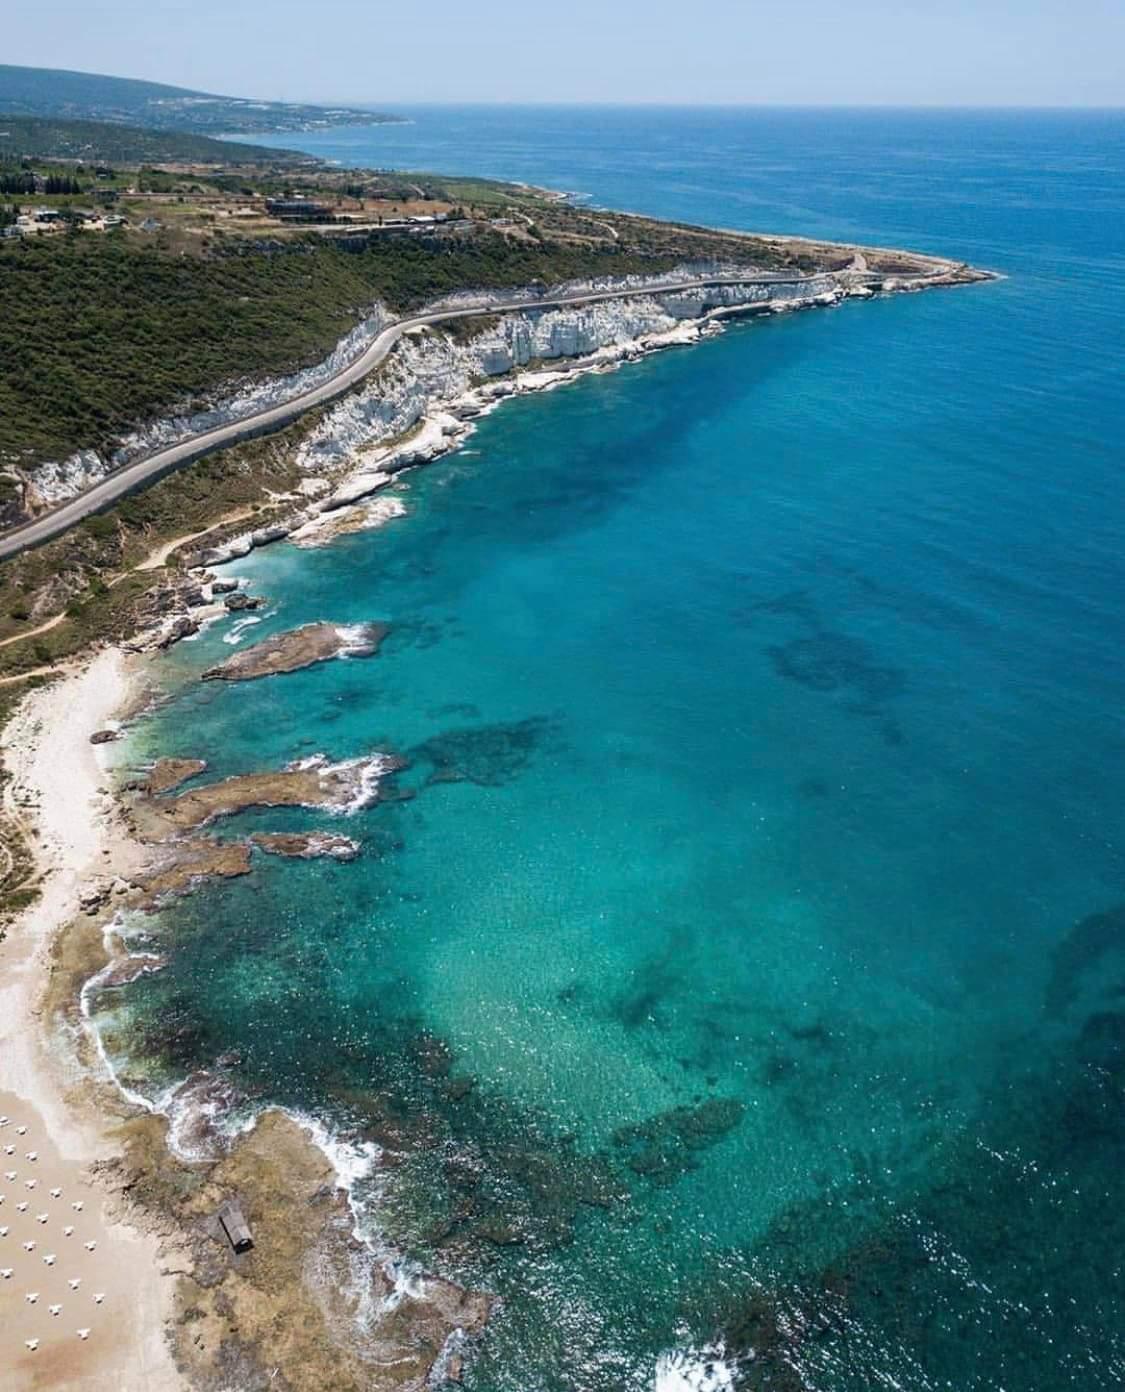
{"type": "Point", "coordinates": [665, 1146]}
{"type": "Point", "coordinates": [488, 755]}
{"type": "Point", "coordinates": [792, 604]}
{"type": "Point", "coordinates": [465, 709]}
{"type": "Point", "coordinates": [420, 633]}
{"type": "Point", "coordinates": [833, 662]}
{"type": "Point", "coordinates": [1023, 1201]}
{"type": "Point", "coordinates": [823, 658]}
{"type": "Point", "coordinates": [1091, 939]}
{"type": "Point", "coordinates": [650, 985]}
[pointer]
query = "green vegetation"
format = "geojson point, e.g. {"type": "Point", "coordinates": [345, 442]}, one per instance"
{"type": "Point", "coordinates": [40, 137]}
{"type": "Point", "coordinates": [57, 92]}
{"type": "Point", "coordinates": [87, 573]}
{"type": "Point", "coordinates": [100, 333]}
{"type": "Point", "coordinates": [23, 181]}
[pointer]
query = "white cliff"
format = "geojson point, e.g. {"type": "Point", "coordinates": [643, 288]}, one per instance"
{"type": "Point", "coordinates": [427, 369]}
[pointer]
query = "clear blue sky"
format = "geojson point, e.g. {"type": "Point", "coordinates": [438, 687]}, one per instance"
{"type": "Point", "coordinates": [942, 52]}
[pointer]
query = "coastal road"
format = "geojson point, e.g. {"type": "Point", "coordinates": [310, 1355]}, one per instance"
{"type": "Point", "coordinates": [151, 467]}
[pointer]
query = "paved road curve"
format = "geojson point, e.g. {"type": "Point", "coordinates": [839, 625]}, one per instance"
{"type": "Point", "coordinates": [163, 461]}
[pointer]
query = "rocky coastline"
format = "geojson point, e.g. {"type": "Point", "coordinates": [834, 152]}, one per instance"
{"type": "Point", "coordinates": [297, 648]}
{"type": "Point", "coordinates": [426, 398]}
{"type": "Point", "coordinates": [312, 1294]}
{"type": "Point", "coordinates": [415, 387]}
{"type": "Point", "coordinates": [419, 406]}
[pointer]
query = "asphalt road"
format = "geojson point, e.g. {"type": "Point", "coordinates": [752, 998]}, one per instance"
{"type": "Point", "coordinates": [150, 467]}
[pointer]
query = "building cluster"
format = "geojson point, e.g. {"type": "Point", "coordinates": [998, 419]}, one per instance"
{"type": "Point", "coordinates": [43, 221]}
{"type": "Point", "coordinates": [297, 208]}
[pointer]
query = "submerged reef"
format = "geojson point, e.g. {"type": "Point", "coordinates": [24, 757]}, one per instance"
{"type": "Point", "coordinates": [665, 1147]}
{"type": "Point", "coordinates": [1085, 947]}
{"type": "Point", "coordinates": [855, 1289]}
{"type": "Point", "coordinates": [488, 755]}
{"type": "Point", "coordinates": [826, 660]}
{"type": "Point", "coordinates": [834, 662]}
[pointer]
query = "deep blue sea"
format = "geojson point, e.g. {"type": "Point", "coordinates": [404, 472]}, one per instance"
{"type": "Point", "coordinates": [744, 980]}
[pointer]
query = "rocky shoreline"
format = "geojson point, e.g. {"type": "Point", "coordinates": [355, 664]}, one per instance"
{"type": "Point", "coordinates": [346, 465]}
{"type": "Point", "coordinates": [416, 385]}
{"type": "Point", "coordinates": [312, 1294]}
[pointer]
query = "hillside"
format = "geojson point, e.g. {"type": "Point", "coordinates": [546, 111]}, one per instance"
{"type": "Point", "coordinates": [92, 96]}
{"type": "Point", "coordinates": [102, 332]}
{"type": "Point", "coordinates": [107, 142]}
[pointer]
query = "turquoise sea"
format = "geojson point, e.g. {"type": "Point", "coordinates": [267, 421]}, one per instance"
{"type": "Point", "coordinates": [738, 984]}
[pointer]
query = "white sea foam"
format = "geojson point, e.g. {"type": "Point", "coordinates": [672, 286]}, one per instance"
{"type": "Point", "coordinates": [111, 932]}
{"type": "Point", "coordinates": [694, 1370]}
{"type": "Point", "coordinates": [204, 1104]}
{"type": "Point", "coordinates": [352, 1160]}
{"type": "Point", "coordinates": [362, 774]}
{"type": "Point", "coordinates": [368, 771]}
{"type": "Point", "coordinates": [355, 640]}
{"type": "Point", "coordinates": [238, 629]}
{"type": "Point", "coordinates": [372, 771]}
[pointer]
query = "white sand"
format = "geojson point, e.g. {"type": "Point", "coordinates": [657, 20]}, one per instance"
{"type": "Point", "coordinates": [56, 789]}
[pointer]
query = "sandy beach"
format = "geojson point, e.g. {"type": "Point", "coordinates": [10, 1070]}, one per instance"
{"type": "Point", "coordinates": [82, 1304]}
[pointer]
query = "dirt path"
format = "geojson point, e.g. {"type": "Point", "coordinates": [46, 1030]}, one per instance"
{"type": "Point", "coordinates": [56, 669]}
{"type": "Point", "coordinates": [158, 557]}
{"type": "Point", "coordinates": [34, 632]}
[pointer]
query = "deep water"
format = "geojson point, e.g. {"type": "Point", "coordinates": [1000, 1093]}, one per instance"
{"type": "Point", "coordinates": [743, 957]}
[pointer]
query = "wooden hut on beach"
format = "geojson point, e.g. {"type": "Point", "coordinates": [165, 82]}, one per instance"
{"type": "Point", "coordinates": [234, 1224]}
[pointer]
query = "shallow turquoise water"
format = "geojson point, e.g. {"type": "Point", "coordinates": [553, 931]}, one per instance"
{"type": "Point", "coordinates": [763, 710]}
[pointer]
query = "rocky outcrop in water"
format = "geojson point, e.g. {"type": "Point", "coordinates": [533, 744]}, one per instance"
{"type": "Point", "coordinates": [181, 864]}
{"type": "Point", "coordinates": [311, 1297]}
{"type": "Point", "coordinates": [306, 845]}
{"type": "Point", "coordinates": [312, 782]}
{"type": "Point", "coordinates": [169, 773]}
{"type": "Point", "coordinates": [298, 648]}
